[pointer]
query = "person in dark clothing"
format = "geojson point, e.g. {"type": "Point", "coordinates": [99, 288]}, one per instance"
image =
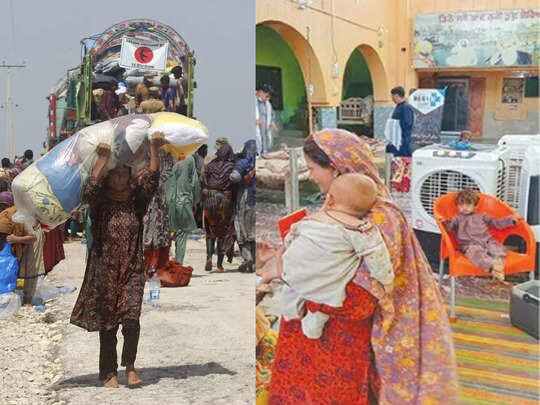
{"type": "Point", "coordinates": [200, 156]}
{"type": "Point", "coordinates": [28, 158]}
{"type": "Point", "coordinates": [168, 94]}
{"type": "Point", "coordinates": [218, 205]}
{"type": "Point", "coordinates": [244, 222]}
{"type": "Point", "coordinates": [112, 291]}
{"type": "Point", "coordinates": [7, 174]}
{"type": "Point", "coordinates": [403, 113]}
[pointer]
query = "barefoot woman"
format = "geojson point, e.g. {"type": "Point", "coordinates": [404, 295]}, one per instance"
{"type": "Point", "coordinates": [112, 290]}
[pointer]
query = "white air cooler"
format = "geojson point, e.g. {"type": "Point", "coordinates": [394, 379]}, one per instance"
{"type": "Point", "coordinates": [530, 194]}
{"type": "Point", "coordinates": [438, 169]}
{"type": "Point", "coordinates": [517, 147]}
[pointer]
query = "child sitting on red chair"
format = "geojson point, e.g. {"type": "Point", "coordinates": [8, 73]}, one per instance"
{"type": "Point", "coordinates": [472, 234]}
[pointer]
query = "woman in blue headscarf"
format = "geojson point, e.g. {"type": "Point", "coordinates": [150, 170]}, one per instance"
{"type": "Point", "coordinates": [244, 222]}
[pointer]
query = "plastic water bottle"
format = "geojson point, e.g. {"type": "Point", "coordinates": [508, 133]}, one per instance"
{"type": "Point", "coordinates": [148, 286]}
{"type": "Point", "coordinates": [155, 285]}
{"type": "Point", "coordinates": [39, 304]}
{"type": "Point", "coordinates": [66, 290]}
{"type": "Point", "coordinates": [146, 295]}
{"type": "Point", "coordinates": [9, 304]}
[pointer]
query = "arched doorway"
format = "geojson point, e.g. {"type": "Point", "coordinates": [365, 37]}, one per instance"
{"type": "Point", "coordinates": [278, 67]}
{"type": "Point", "coordinates": [364, 83]}
{"type": "Point", "coordinates": [286, 61]}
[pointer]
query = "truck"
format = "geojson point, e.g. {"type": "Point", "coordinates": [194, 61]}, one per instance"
{"type": "Point", "coordinates": [71, 100]}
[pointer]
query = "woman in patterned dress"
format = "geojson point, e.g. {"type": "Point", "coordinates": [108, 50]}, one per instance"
{"type": "Point", "coordinates": [391, 348]}
{"type": "Point", "coordinates": [218, 203]}
{"type": "Point", "coordinates": [156, 231]}
{"type": "Point", "coordinates": [112, 290]}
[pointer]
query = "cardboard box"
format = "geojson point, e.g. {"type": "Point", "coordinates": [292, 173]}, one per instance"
{"type": "Point", "coordinates": [524, 307]}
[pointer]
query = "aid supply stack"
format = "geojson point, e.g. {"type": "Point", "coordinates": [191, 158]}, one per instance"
{"type": "Point", "coordinates": [50, 189]}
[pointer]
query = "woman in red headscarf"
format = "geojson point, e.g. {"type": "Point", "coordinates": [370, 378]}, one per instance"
{"type": "Point", "coordinates": [391, 348]}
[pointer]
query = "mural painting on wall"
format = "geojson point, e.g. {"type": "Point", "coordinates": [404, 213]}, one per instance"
{"type": "Point", "coordinates": [477, 39]}
{"type": "Point", "coordinates": [512, 90]}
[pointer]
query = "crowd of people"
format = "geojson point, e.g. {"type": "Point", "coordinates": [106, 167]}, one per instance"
{"type": "Point", "coordinates": [129, 221]}
{"type": "Point", "coordinates": [111, 98]}
{"type": "Point", "coordinates": [362, 319]}
{"type": "Point", "coordinates": [38, 252]}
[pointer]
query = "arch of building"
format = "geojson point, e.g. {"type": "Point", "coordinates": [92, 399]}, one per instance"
{"type": "Point", "coordinates": [383, 106]}
{"type": "Point", "coordinates": [306, 57]}
{"type": "Point", "coordinates": [376, 69]}
{"type": "Point", "coordinates": [318, 61]}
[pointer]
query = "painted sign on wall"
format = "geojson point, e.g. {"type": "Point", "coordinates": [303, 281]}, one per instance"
{"type": "Point", "coordinates": [477, 39]}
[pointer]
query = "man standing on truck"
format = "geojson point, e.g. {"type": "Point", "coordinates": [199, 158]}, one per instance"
{"type": "Point", "coordinates": [168, 94]}
{"type": "Point", "coordinates": [142, 91]}
{"type": "Point", "coordinates": [178, 74]}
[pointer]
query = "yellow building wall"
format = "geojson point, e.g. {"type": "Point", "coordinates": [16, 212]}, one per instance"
{"type": "Point", "coordinates": [324, 34]}
{"type": "Point", "coordinates": [494, 107]}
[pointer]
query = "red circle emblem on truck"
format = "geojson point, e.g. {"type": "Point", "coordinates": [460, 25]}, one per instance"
{"type": "Point", "coordinates": [144, 55]}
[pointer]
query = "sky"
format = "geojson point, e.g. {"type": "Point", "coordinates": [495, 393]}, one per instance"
{"type": "Point", "coordinates": [46, 35]}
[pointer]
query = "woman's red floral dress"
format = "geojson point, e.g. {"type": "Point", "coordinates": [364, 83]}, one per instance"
{"type": "Point", "coordinates": [335, 369]}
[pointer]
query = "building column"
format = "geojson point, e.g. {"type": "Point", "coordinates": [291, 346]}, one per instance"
{"type": "Point", "coordinates": [325, 117]}
{"type": "Point", "coordinates": [381, 113]}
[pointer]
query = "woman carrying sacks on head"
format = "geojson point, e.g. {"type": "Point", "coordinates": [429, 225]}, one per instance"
{"type": "Point", "coordinates": [112, 291]}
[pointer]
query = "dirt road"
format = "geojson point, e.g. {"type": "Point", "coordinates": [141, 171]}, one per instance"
{"type": "Point", "coordinates": [198, 348]}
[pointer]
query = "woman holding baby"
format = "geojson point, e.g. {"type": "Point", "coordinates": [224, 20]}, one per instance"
{"type": "Point", "coordinates": [363, 322]}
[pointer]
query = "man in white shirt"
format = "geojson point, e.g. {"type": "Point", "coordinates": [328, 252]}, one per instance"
{"type": "Point", "coordinates": [263, 119]}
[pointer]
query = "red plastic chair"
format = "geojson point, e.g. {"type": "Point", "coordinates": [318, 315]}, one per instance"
{"type": "Point", "coordinates": [445, 208]}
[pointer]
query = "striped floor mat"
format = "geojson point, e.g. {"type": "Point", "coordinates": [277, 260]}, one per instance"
{"type": "Point", "coordinates": [498, 364]}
